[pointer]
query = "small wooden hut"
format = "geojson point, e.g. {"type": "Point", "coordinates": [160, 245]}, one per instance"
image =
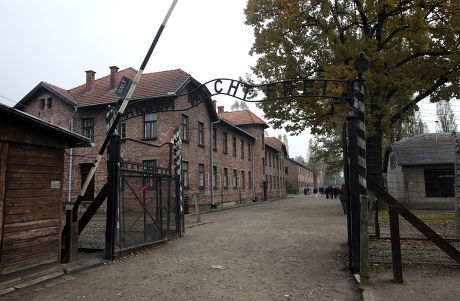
{"type": "Point", "coordinates": [31, 192]}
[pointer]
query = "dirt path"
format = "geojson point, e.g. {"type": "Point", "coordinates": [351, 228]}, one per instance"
{"type": "Point", "coordinates": [290, 249]}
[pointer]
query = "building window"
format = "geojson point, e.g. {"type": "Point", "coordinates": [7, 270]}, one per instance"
{"type": "Point", "coordinates": [150, 125]}
{"type": "Point", "coordinates": [242, 149]}
{"type": "Point", "coordinates": [185, 173]}
{"type": "Point", "coordinates": [243, 180]}
{"type": "Point", "coordinates": [224, 141]}
{"type": "Point", "coordinates": [201, 175]}
{"type": "Point", "coordinates": [225, 177]}
{"type": "Point", "coordinates": [121, 129]}
{"type": "Point", "coordinates": [88, 128]}
{"type": "Point", "coordinates": [269, 160]}
{"type": "Point", "coordinates": [263, 164]}
{"type": "Point", "coordinates": [214, 138]}
{"type": "Point", "coordinates": [184, 127]}
{"type": "Point", "coordinates": [439, 182]}
{"type": "Point", "coordinates": [249, 151]}
{"type": "Point", "coordinates": [249, 179]}
{"type": "Point", "coordinates": [263, 140]}
{"type": "Point", "coordinates": [235, 178]}
{"type": "Point", "coordinates": [286, 171]}
{"type": "Point", "coordinates": [150, 167]}
{"type": "Point", "coordinates": [200, 134]}
{"type": "Point", "coordinates": [214, 176]}
{"type": "Point", "coordinates": [46, 103]}
{"type": "Point", "coordinates": [234, 146]}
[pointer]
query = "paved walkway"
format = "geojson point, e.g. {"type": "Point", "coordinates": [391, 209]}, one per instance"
{"type": "Point", "coordinates": [289, 249]}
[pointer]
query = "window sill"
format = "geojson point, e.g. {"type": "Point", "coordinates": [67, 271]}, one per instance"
{"type": "Point", "coordinates": [225, 153]}
{"type": "Point", "coordinates": [201, 145]}
{"type": "Point", "coordinates": [149, 139]}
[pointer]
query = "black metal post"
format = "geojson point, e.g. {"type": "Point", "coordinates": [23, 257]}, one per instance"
{"type": "Point", "coordinates": [355, 206]}
{"type": "Point", "coordinates": [346, 175]}
{"type": "Point", "coordinates": [113, 181]}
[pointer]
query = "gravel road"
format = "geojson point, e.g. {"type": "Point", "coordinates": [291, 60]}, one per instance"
{"type": "Point", "coordinates": [289, 249]}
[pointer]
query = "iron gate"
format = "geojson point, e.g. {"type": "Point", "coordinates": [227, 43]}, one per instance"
{"type": "Point", "coordinates": [145, 202]}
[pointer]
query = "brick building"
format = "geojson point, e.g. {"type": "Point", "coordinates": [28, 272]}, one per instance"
{"type": "Point", "coordinates": [302, 176]}
{"type": "Point", "coordinates": [225, 155]}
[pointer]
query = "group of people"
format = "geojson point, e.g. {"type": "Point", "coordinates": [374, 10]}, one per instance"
{"type": "Point", "coordinates": [330, 192]}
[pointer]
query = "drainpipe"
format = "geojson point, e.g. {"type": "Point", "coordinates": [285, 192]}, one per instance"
{"type": "Point", "coordinates": [253, 174]}
{"type": "Point", "coordinates": [213, 202]}
{"type": "Point", "coordinates": [279, 175]}
{"type": "Point", "coordinates": [71, 155]}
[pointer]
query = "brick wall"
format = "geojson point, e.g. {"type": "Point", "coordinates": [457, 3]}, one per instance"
{"type": "Point", "coordinates": [194, 154]}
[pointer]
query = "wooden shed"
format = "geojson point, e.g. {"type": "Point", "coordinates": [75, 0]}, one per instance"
{"type": "Point", "coordinates": [31, 191]}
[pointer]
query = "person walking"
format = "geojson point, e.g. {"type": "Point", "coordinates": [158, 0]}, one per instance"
{"type": "Point", "coordinates": [315, 191]}
{"type": "Point", "coordinates": [343, 198]}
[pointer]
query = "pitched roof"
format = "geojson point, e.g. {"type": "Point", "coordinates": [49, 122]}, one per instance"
{"type": "Point", "coordinates": [14, 115]}
{"type": "Point", "coordinates": [242, 118]}
{"type": "Point", "coordinates": [276, 144]}
{"type": "Point", "coordinates": [424, 149]}
{"type": "Point", "coordinates": [151, 85]}
{"type": "Point", "coordinates": [227, 123]}
{"type": "Point", "coordinates": [59, 92]}
{"type": "Point", "coordinates": [301, 164]}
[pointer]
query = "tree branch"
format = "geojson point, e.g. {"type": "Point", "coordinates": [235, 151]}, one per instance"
{"type": "Point", "coordinates": [359, 5]}
{"type": "Point", "coordinates": [416, 55]}
{"type": "Point", "coordinates": [441, 81]}
{"type": "Point", "coordinates": [388, 39]}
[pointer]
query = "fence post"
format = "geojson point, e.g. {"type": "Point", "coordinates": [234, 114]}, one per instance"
{"type": "Point", "coordinates": [457, 186]}
{"type": "Point", "coordinates": [395, 244]}
{"type": "Point", "coordinates": [113, 181]}
{"type": "Point", "coordinates": [177, 141]}
{"type": "Point", "coordinates": [346, 175]}
{"type": "Point", "coordinates": [364, 246]}
{"type": "Point", "coordinates": [355, 215]}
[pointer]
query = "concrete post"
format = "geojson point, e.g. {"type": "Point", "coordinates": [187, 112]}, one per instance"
{"type": "Point", "coordinates": [196, 200]}
{"type": "Point", "coordinates": [364, 243]}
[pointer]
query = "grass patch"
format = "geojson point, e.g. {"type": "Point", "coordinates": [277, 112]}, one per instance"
{"type": "Point", "coordinates": [425, 217]}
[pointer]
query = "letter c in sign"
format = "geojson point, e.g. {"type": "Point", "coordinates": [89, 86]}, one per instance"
{"type": "Point", "coordinates": [215, 86]}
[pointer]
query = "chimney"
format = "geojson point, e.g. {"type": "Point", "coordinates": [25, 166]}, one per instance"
{"type": "Point", "coordinates": [113, 76]}
{"type": "Point", "coordinates": [221, 109]}
{"type": "Point", "coordinates": [90, 76]}
{"type": "Point", "coordinates": [214, 103]}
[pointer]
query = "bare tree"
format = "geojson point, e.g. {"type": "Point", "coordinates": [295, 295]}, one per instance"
{"type": "Point", "coordinates": [286, 142]}
{"type": "Point", "coordinates": [239, 106]}
{"type": "Point", "coordinates": [300, 159]}
{"type": "Point", "coordinates": [446, 117]}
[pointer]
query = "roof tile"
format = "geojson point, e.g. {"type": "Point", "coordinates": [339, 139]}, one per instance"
{"type": "Point", "coordinates": [151, 85]}
{"type": "Point", "coordinates": [242, 117]}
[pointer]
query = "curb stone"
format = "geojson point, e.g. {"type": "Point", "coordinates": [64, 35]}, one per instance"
{"type": "Point", "coordinates": [367, 292]}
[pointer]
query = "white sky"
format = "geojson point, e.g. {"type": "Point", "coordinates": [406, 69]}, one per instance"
{"type": "Point", "coordinates": [56, 41]}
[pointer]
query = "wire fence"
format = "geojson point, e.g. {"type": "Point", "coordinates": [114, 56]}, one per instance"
{"type": "Point", "coordinates": [415, 247]}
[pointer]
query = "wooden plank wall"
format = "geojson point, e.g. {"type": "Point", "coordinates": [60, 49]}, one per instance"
{"type": "Point", "coordinates": [3, 154]}
{"type": "Point", "coordinates": [32, 213]}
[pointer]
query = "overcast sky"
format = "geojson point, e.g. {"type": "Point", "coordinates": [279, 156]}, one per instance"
{"type": "Point", "coordinates": [56, 41]}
